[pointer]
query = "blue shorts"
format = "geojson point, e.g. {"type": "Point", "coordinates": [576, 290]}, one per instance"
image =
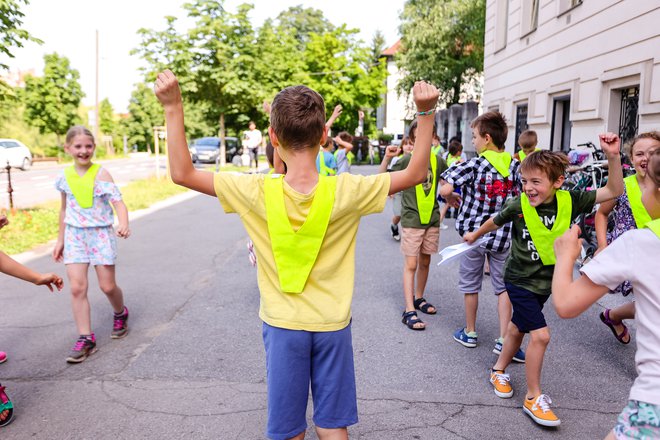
{"type": "Point", "coordinates": [294, 360]}
{"type": "Point", "coordinates": [527, 308]}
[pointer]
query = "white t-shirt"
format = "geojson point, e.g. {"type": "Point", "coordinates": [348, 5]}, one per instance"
{"type": "Point", "coordinates": [634, 256]}
{"type": "Point", "coordinates": [252, 138]}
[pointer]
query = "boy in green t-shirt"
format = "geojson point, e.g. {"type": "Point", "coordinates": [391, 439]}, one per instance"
{"type": "Point", "coordinates": [420, 221]}
{"type": "Point", "coordinates": [541, 214]}
{"type": "Point", "coordinates": [303, 227]}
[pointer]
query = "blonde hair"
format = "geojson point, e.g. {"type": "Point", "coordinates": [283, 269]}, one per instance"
{"type": "Point", "coordinates": [78, 130]}
{"type": "Point", "coordinates": [630, 145]}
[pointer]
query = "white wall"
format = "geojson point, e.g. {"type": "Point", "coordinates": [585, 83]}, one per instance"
{"type": "Point", "coordinates": [588, 52]}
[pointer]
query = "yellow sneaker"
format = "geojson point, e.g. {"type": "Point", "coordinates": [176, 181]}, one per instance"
{"type": "Point", "coordinates": [539, 410]}
{"type": "Point", "coordinates": [501, 384]}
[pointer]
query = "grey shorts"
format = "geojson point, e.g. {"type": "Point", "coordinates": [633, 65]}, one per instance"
{"type": "Point", "coordinates": [472, 270]}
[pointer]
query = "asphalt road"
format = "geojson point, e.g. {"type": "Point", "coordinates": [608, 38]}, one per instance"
{"type": "Point", "coordinates": [192, 366]}
{"type": "Point", "coordinates": [37, 185]}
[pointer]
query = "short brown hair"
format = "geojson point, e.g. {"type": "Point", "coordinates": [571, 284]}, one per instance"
{"type": "Point", "coordinates": [298, 117]}
{"type": "Point", "coordinates": [552, 163]}
{"type": "Point", "coordinates": [345, 136]}
{"type": "Point", "coordinates": [455, 148]}
{"type": "Point", "coordinates": [412, 130]}
{"type": "Point", "coordinates": [630, 145]}
{"type": "Point", "coordinates": [493, 124]}
{"type": "Point", "coordinates": [528, 139]}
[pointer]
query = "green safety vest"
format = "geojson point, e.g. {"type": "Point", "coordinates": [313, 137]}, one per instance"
{"type": "Point", "coordinates": [451, 159]}
{"type": "Point", "coordinates": [634, 193]}
{"type": "Point", "coordinates": [324, 170]}
{"type": "Point", "coordinates": [295, 252]}
{"type": "Point", "coordinates": [522, 155]}
{"type": "Point", "coordinates": [435, 150]}
{"type": "Point", "coordinates": [82, 187]}
{"type": "Point", "coordinates": [542, 237]}
{"type": "Point", "coordinates": [500, 160]}
{"type": "Point", "coordinates": [350, 157]}
{"type": "Point", "coordinates": [654, 225]}
{"type": "Point", "coordinates": [426, 202]}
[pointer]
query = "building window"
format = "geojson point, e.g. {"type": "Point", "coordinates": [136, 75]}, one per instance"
{"type": "Point", "coordinates": [560, 136]}
{"type": "Point", "coordinates": [567, 5]}
{"type": "Point", "coordinates": [530, 16]}
{"type": "Point", "coordinates": [501, 23]}
{"type": "Point", "coordinates": [629, 119]}
{"type": "Point", "coordinates": [521, 122]}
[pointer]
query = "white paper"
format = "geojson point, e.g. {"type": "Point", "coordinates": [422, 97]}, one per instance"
{"type": "Point", "coordinates": [454, 251]}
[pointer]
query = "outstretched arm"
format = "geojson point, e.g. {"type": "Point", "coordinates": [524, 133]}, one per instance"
{"type": "Point", "coordinates": [611, 145]}
{"type": "Point", "coordinates": [333, 117]}
{"type": "Point", "coordinates": [390, 152]}
{"type": "Point", "coordinates": [181, 168]}
{"type": "Point", "coordinates": [571, 298]}
{"type": "Point", "coordinates": [15, 269]}
{"type": "Point", "coordinates": [488, 226]}
{"type": "Point", "coordinates": [426, 98]}
{"type": "Point", "coordinates": [600, 220]}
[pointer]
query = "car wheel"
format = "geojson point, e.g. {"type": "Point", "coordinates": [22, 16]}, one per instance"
{"type": "Point", "coordinates": [27, 163]}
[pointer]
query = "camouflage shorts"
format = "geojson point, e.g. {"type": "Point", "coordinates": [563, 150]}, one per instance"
{"type": "Point", "coordinates": [639, 421]}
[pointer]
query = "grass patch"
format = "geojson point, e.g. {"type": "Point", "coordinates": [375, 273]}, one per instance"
{"type": "Point", "coordinates": [34, 226]}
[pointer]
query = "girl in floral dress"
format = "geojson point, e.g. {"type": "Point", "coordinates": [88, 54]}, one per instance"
{"type": "Point", "coordinates": [620, 215]}
{"type": "Point", "coordinates": [86, 236]}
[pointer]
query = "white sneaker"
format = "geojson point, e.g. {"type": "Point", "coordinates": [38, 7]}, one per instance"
{"type": "Point", "coordinates": [443, 226]}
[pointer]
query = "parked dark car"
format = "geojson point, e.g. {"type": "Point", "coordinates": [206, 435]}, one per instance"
{"type": "Point", "coordinates": [207, 149]}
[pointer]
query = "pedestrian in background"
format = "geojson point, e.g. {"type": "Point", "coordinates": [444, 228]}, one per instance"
{"type": "Point", "coordinates": [252, 139]}
{"type": "Point", "coordinates": [86, 236]}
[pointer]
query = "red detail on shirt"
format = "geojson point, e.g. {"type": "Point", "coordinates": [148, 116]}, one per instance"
{"type": "Point", "coordinates": [500, 188]}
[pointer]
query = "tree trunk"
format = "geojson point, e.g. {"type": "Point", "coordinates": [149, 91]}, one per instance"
{"type": "Point", "coordinates": [223, 146]}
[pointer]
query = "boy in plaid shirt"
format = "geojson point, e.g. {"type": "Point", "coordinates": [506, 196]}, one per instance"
{"type": "Point", "coordinates": [487, 181]}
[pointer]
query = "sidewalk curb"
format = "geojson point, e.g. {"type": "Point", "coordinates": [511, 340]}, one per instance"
{"type": "Point", "coordinates": [46, 248]}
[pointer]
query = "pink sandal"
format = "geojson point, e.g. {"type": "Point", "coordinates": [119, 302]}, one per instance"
{"type": "Point", "coordinates": [605, 317]}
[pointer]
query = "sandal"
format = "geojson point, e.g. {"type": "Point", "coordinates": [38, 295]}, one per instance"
{"type": "Point", "coordinates": [621, 337]}
{"type": "Point", "coordinates": [6, 405]}
{"type": "Point", "coordinates": [410, 319]}
{"type": "Point", "coordinates": [424, 306]}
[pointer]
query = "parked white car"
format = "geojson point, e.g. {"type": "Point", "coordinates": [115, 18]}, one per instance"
{"type": "Point", "coordinates": [18, 155]}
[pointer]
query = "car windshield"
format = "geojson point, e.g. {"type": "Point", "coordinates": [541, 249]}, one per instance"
{"type": "Point", "coordinates": [206, 142]}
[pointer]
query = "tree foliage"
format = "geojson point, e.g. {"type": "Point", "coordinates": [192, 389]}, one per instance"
{"type": "Point", "coordinates": [52, 101]}
{"type": "Point", "coordinates": [442, 42]}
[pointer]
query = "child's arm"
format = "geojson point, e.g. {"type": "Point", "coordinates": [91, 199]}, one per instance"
{"type": "Point", "coordinates": [59, 245]}
{"type": "Point", "coordinates": [15, 269]}
{"type": "Point", "coordinates": [347, 145]}
{"type": "Point", "coordinates": [571, 298]}
{"type": "Point", "coordinates": [120, 207]}
{"type": "Point", "coordinates": [426, 98]}
{"type": "Point", "coordinates": [611, 145]}
{"type": "Point", "coordinates": [601, 222]}
{"type": "Point", "coordinates": [488, 226]}
{"type": "Point", "coordinates": [446, 189]}
{"type": "Point", "coordinates": [181, 168]}
{"type": "Point", "coordinates": [390, 152]}
{"type": "Point", "coordinates": [333, 117]}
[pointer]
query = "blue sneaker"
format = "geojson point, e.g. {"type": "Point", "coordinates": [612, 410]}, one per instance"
{"type": "Point", "coordinates": [518, 357]}
{"type": "Point", "coordinates": [466, 339]}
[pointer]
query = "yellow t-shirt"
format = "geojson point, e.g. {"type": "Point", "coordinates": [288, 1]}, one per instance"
{"type": "Point", "coordinates": [325, 303]}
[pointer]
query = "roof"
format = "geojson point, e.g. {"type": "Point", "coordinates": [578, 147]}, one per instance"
{"type": "Point", "coordinates": [392, 50]}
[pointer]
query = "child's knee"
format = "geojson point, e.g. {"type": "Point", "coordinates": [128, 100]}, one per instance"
{"type": "Point", "coordinates": [410, 264]}
{"type": "Point", "coordinates": [78, 288]}
{"type": "Point", "coordinates": [108, 287]}
{"type": "Point", "coordinates": [540, 336]}
{"type": "Point", "coordinates": [424, 261]}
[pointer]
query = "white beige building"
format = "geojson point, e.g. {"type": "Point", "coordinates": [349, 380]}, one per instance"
{"type": "Point", "coordinates": [395, 111]}
{"type": "Point", "coordinates": [570, 69]}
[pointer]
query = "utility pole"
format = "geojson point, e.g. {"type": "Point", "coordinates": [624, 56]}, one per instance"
{"type": "Point", "coordinates": [96, 94]}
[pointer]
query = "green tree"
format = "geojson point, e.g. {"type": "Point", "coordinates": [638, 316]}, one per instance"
{"type": "Point", "coordinates": [52, 101]}
{"type": "Point", "coordinates": [107, 122]}
{"type": "Point", "coordinates": [145, 114]}
{"type": "Point", "coordinates": [301, 22]}
{"type": "Point", "coordinates": [11, 36]}
{"type": "Point", "coordinates": [378, 44]}
{"type": "Point", "coordinates": [442, 42]}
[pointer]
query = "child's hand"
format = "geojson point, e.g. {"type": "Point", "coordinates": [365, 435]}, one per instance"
{"type": "Point", "coordinates": [3, 221]}
{"type": "Point", "coordinates": [266, 106]}
{"type": "Point", "coordinates": [58, 252]}
{"type": "Point", "coordinates": [337, 111]}
{"type": "Point", "coordinates": [49, 279]}
{"type": "Point", "coordinates": [610, 143]}
{"type": "Point", "coordinates": [392, 151]}
{"type": "Point", "coordinates": [167, 89]}
{"type": "Point", "coordinates": [470, 237]}
{"type": "Point", "coordinates": [425, 96]}
{"type": "Point", "coordinates": [123, 231]}
{"type": "Point", "coordinates": [453, 200]}
{"type": "Point", "coordinates": [569, 245]}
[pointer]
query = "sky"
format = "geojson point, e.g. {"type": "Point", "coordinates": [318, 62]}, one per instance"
{"type": "Point", "coordinates": [68, 27]}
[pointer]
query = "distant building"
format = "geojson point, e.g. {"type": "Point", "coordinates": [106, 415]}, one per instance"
{"type": "Point", "coordinates": [394, 112]}
{"type": "Point", "coordinates": [570, 69]}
